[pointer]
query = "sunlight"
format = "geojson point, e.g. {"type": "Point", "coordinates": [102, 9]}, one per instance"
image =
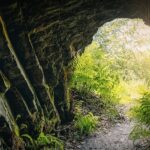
{"type": "Point", "coordinates": [131, 34]}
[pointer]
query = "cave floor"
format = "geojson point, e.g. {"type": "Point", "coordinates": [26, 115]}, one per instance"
{"type": "Point", "coordinates": [112, 137]}
{"type": "Point", "coordinates": [115, 138]}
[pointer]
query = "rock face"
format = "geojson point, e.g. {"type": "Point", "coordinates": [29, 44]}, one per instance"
{"type": "Point", "coordinates": [38, 41]}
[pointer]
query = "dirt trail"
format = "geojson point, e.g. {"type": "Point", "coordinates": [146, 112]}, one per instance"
{"type": "Point", "coordinates": [115, 138]}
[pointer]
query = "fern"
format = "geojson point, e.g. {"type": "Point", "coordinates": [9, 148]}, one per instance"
{"type": "Point", "coordinates": [27, 136]}
{"type": "Point", "coordinates": [86, 124]}
{"type": "Point", "coordinates": [50, 141]}
{"type": "Point", "coordinates": [139, 132]}
{"type": "Point", "coordinates": [142, 111]}
{"type": "Point", "coordinates": [142, 115]}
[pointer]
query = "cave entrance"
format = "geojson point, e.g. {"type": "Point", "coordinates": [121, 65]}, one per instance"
{"type": "Point", "coordinates": [114, 71]}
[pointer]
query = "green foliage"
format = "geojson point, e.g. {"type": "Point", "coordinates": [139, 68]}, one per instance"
{"type": "Point", "coordinates": [52, 142]}
{"type": "Point", "coordinates": [120, 39]}
{"type": "Point", "coordinates": [29, 138]}
{"type": "Point", "coordinates": [141, 113]}
{"type": "Point", "coordinates": [43, 141]}
{"type": "Point", "coordinates": [139, 132]}
{"type": "Point", "coordinates": [116, 67]}
{"type": "Point", "coordinates": [86, 124]}
{"type": "Point", "coordinates": [93, 73]}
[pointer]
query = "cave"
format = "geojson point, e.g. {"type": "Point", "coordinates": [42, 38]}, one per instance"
{"type": "Point", "coordinates": [39, 41]}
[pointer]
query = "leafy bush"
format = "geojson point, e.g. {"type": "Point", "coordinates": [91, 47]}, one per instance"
{"type": "Point", "coordinates": [86, 124]}
{"type": "Point", "coordinates": [139, 132]}
{"type": "Point", "coordinates": [43, 141]}
{"type": "Point", "coordinates": [141, 113]}
{"type": "Point", "coordinates": [94, 73]}
{"type": "Point", "coordinates": [50, 141]}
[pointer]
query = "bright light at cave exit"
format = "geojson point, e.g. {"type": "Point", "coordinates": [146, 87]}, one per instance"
{"type": "Point", "coordinates": [143, 37]}
{"type": "Point", "coordinates": [132, 34]}
{"type": "Point", "coordinates": [121, 35]}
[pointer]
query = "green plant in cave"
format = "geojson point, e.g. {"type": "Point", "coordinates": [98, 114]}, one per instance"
{"type": "Point", "coordinates": [85, 124]}
{"type": "Point", "coordinates": [43, 141]}
{"type": "Point", "coordinates": [28, 138]}
{"type": "Point", "coordinates": [50, 141]}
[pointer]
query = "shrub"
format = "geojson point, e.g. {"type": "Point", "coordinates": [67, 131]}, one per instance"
{"type": "Point", "coordinates": [139, 132]}
{"type": "Point", "coordinates": [86, 124]}
{"type": "Point", "coordinates": [94, 73]}
{"type": "Point", "coordinates": [43, 142]}
{"type": "Point", "coordinates": [48, 140]}
{"type": "Point", "coordinates": [142, 114]}
{"type": "Point", "coordinates": [142, 111]}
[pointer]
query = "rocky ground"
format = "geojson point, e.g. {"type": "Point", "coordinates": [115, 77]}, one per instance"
{"type": "Point", "coordinates": [110, 136]}
{"type": "Point", "coordinates": [115, 138]}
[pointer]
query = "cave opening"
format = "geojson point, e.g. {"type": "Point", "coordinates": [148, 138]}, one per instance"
{"type": "Point", "coordinates": [112, 80]}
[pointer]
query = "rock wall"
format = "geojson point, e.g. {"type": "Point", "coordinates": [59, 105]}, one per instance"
{"type": "Point", "coordinates": [38, 41]}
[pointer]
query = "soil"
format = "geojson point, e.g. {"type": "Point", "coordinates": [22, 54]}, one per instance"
{"type": "Point", "coordinates": [110, 136]}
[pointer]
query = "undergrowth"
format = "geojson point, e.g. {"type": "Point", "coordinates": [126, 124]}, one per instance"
{"type": "Point", "coordinates": [94, 74]}
{"type": "Point", "coordinates": [85, 124]}
{"type": "Point", "coordinates": [139, 132]}
{"type": "Point", "coordinates": [43, 141]}
{"type": "Point", "coordinates": [117, 72]}
{"type": "Point", "coordinates": [51, 141]}
{"type": "Point", "coordinates": [141, 113]}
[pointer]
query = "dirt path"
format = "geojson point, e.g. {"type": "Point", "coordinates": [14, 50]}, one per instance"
{"type": "Point", "coordinates": [115, 138]}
